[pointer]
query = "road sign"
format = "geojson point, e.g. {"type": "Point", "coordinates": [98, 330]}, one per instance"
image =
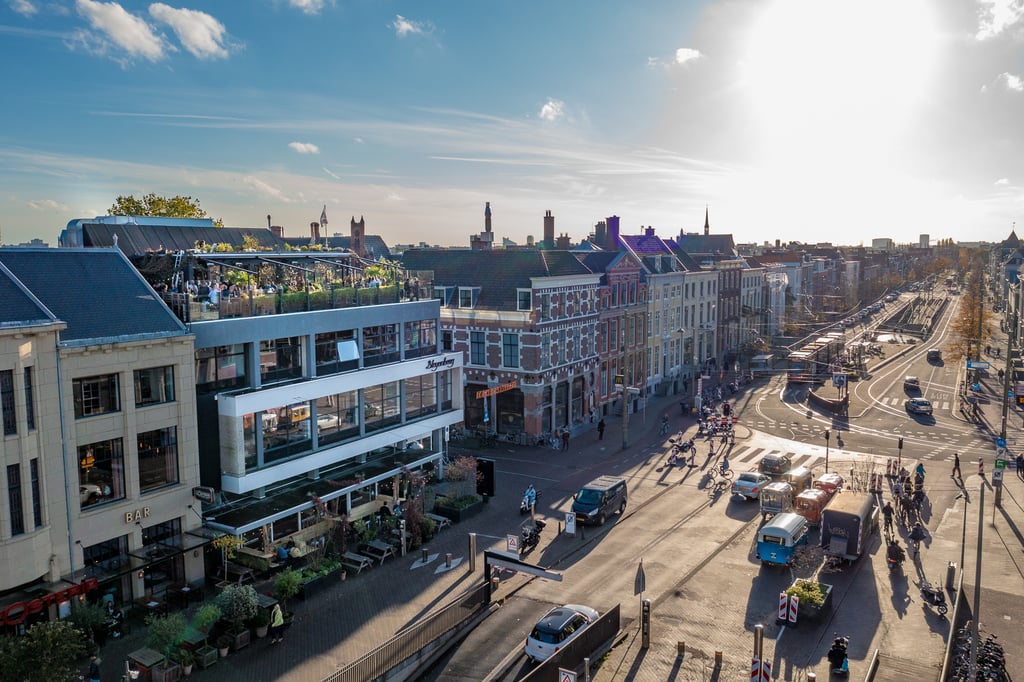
{"type": "Point", "coordinates": [978, 364]}
{"type": "Point", "coordinates": [566, 675]}
{"type": "Point", "coordinates": [1000, 452]}
{"type": "Point", "coordinates": [512, 543]}
{"type": "Point", "coordinates": [1000, 442]}
{"type": "Point", "coordinates": [570, 523]}
{"type": "Point", "coordinates": [1000, 464]}
{"type": "Point", "coordinates": [997, 475]}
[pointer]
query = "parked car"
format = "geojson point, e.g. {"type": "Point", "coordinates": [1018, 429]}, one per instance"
{"type": "Point", "coordinates": [557, 628]}
{"type": "Point", "coordinates": [599, 499]}
{"type": "Point", "coordinates": [911, 384]}
{"type": "Point", "coordinates": [749, 484]}
{"type": "Point", "coordinates": [774, 464]}
{"type": "Point", "coordinates": [917, 406]}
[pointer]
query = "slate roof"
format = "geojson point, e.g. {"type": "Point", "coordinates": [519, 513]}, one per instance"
{"type": "Point", "coordinates": [707, 244]}
{"type": "Point", "coordinates": [135, 240]}
{"type": "Point", "coordinates": [96, 292]}
{"type": "Point", "coordinates": [18, 306]}
{"type": "Point", "coordinates": [497, 272]}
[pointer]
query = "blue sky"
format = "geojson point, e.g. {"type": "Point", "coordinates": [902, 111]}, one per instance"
{"type": "Point", "coordinates": [808, 120]}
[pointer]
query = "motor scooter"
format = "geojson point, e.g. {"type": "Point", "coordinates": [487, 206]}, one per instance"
{"type": "Point", "coordinates": [531, 535]}
{"type": "Point", "coordinates": [934, 596]}
{"type": "Point", "coordinates": [838, 661]}
{"type": "Point", "coordinates": [528, 501]}
{"type": "Point", "coordinates": [895, 556]}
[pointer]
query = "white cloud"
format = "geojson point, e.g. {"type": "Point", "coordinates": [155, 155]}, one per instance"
{"type": "Point", "coordinates": [307, 6]}
{"type": "Point", "coordinates": [996, 16]}
{"type": "Point", "coordinates": [199, 33]}
{"type": "Point", "coordinates": [404, 27]}
{"type": "Point", "coordinates": [23, 7]}
{"type": "Point", "coordinates": [127, 31]}
{"type": "Point", "coordinates": [1002, 181]}
{"type": "Point", "coordinates": [333, 175]}
{"type": "Point", "coordinates": [1012, 82]}
{"type": "Point", "coordinates": [264, 188]}
{"type": "Point", "coordinates": [686, 54]}
{"type": "Point", "coordinates": [552, 110]}
{"type": "Point", "coordinates": [47, 205]}
{"type": "Point", "coordinates": [304, 147]}
{"type": "Point", "coordinates": [358, 140]}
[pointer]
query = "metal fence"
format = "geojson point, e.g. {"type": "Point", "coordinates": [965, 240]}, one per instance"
{"type": "Point", "coordinates": [410, 642]}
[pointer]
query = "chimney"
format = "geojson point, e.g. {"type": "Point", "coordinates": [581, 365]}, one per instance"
{"type": "Point", "coordinates": [707, 225]}
{"type": "Point", "coordinates": [314, 232]}
{"type": "Point", "coordinates": [269, 225]}
{"type": "Point", "coordinates": [600, 233]}
{"type": "Point", "coordinates": [648, 231]}
{"type": "Point", "coordinates": [612, 243]}
{"type": "Point", "coordinates": [778, 243]}
{"type": "Point", "coordinates": [549, 229]}
{"type": "Point", "coordinates": [563, 243]}
{"type": "Point", "coordinates": [487, 217]}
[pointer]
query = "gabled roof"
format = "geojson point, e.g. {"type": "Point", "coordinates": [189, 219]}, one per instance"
{"type": "Point", "coordinates": [498, 273]}
{"type": "Point", "coordinates": [707, 244]}
{"type": "Point", "coordinates": [1011, 242]}
{"type": "Point", "coordinates": [96, 292]}
{"type": "Point", "coordinates": [18, 307]}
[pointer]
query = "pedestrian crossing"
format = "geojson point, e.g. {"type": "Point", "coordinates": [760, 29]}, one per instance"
{"type": "Point", "coordinates": [745, 457]}
{"type": "Point", "coordinates": [937, 405]}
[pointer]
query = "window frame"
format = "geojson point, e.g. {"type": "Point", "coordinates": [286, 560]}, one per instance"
{"type": "Point", "coordinates": [163, 381]}
{"type": "Point", "coordinates": [107, 400]}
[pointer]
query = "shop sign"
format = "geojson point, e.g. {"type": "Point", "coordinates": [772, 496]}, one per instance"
{"type": "Point", "coordinates": [203, 493]}
{"type": "Point", "coordinates": [434, 365]}
{"type": "Point", "coordinates": [18, 611]}
{"type": "Point", "coordinates": [131, 517]}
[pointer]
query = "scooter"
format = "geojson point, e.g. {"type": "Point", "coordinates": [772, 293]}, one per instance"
{"type": "Point", "coordinates": [531, 535]}
{"type": "Point", "coordinates": [895, 556]}
{"type": "Point", "coordinates": [934, 596]}
{"type": "Point", "coordinates": [837, 658]}
{"type": "Point", "coordinates": [524, 504]}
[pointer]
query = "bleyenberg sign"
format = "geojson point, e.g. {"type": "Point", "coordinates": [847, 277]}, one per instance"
{"type": "Point", "coordinates": [445, 363]}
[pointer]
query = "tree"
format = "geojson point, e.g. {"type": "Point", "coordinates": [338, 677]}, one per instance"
{"type": "Point", "coordinates": [46, 653]}
{"type": "Point", "coordinates": [153, 205]}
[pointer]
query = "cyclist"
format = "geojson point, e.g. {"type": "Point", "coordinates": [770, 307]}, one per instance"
{"type": "Point", "coordinates": [916, 535]}
{"type": "Point", "coordinates": [664, 423]}
{"type": "Point", "coordinates": [887, 512]}
{"type": "Point", "coordinates": [725, 463]}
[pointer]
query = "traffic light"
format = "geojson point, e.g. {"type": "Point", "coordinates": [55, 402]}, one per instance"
{"type": "Point", "coordinates": [725, 409]}
{"type": "Point", "coordinates": [901, 444]}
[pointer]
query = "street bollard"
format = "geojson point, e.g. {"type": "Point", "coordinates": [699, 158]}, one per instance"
{"type": "Point", "coordinates": [718, 660]}
{"type": "Point", "coordinates": [681, 649]}
{"type": "Point", "coordinates": [495, 581]}
{"type": "Point", "coordinates": [645, 624]}
{"type": "Point", "coordinates": [472, 553]}
{"type": "Point", "coordinates": [811, 677]}
{"type": "Point", "coordinates": [951, 575]}
{"type": "Point", "coordinates": [448, 560]}
{"type": "Point", "coordinates": [424, 555]}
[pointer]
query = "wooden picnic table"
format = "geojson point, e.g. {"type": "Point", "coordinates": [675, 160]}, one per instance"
{"type": "Point", "coordinates": [356, 562]}
{"type": "Point", "coordinates": [379, 550]}
{"type": "Point", "coordinates": [441, 521]}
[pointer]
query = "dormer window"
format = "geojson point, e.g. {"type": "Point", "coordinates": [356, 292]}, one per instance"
{"type": "Point", "coordinates": [524, 300]}
{"type": "Point", "coordinates": [444, 293]}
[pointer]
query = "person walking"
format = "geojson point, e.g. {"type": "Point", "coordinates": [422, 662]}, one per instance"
{"type": "Point", "coordinates": [276, 624]}
{"type": "Point", "coordinates": [94, 669]}
{"type": "Point", "coordinates": [600, 429]}
{"type": "Point", "coordinates": [565, 439]}
{"type": "Point", "coordinates": [1020, 467]}
{"type": "Point", "coordinates": [956, 467]}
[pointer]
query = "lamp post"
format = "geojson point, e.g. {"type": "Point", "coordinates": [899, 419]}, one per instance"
{"type": "Point", "coordinates": [963, 532]}
{"type": "Point", "coordinates": [827, 434]}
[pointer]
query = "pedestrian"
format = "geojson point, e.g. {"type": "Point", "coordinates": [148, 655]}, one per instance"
{"type": "Point", "coordinates": [600, 429]}
{"type": "Point", "coordinates": [1020, 467]}
{"type": "Point", "coordinates": [94, 669]}
{"type": "Point", "coordinates": [565, 439]}
{"type": "Point", "coordinates": [276, 624]}
{"type": "Point", "coordinates": [956, 467]}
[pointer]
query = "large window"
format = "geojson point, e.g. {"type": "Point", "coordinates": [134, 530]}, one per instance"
{"type": "Point", "coordinates": [96, 395]}
{"type": "Point", "coordinates": [477, 348]}
{"type": "Point", "coordinates": [382, 405]}
{"type": "Point", "coordinates": [286, 431]}
{"type": "Point", "coordinates": [420, 338]}
{"type": "Point", "coordinates": [107, 557]}
{"type": "Point", "coordinates": [154, 386]}
{"type": "Point", "coordinates": [30, 409]}
{"type": "Point", "coordinates": [337, 417]}
{"type": "Point", "coordinates": [158, 458]}
{"type": "Point", "coordinates": [7, 402]}
{"type": "Point", "coordinates": [280, 359]}
{"type": "Point", "coordinates": [37, 501]}
{"type": "Point", "coordinates": [14, 499]}
{"type": "Point", "coordinates": [420, 396]}
{"type": "Point", "coordinates": [524, 299]}
{"type": "Point", "coordinates": [220, 368]}
{"type": "Point", "coordinates": [336, 352]}
{"type": "Point", "coordinates": [380, 344]}
{"type": "Point", "coordinates": [101, 472]}
{"type": "Point", "coordinates": [510, 350]}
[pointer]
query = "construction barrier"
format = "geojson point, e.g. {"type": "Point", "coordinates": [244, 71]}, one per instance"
{"type": "Point", "coordinates": [794, 605]}
{"type": "Point", "coordinates": [766, 671]}
{"type": "Point", "coordinates": [981, 467]}
{"type": "Point", "coordinates": [783, 606]}
{"type": "Point", "coordinates": [755, 670]}
{"type": "Point", "coordinates": [891, 468]}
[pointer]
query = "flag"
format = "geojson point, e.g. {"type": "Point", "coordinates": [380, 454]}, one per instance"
{"type": "Point", "coordinates": [323, 217]}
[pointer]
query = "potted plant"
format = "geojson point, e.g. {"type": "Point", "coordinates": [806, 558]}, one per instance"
{"type": "Point", "coordinates": [224, 645]}
{"type": "Point", "coordinates": [90, 619]}
{"type": "Point", "coordinates": [187, 659]}
{"type": "Point", "coordinates": [238, 603]}
{"type": "Point", "coordinates": [260, 623]}
{"type": "Point", "coordinates": [164, 634]}
{"type": "Point", "coordinates": [206, 617]}
{"type": "Point", "coordinates": [815, 598]}
{"type": "Point", "coordinates": [228, 546]}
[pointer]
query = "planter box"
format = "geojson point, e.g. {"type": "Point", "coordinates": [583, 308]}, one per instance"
{"type": "Point", "coordinates": [812, 612]}
{"type": "Point", "coordinates": [205, 656]}
{"type": "Point", "coordinates": [312, 587]}
{"type": "Point", "coordinates": [456, 515]}
{"type": "Point", "coordinates": [240, 639]}
{"type": "Point", "coordinates": [171, 673]}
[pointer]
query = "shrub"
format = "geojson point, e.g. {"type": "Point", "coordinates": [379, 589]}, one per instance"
{"type": "Point", "coordinates": [458, 502]}
{"type": "Point", "coordinates": [164, 634]}
{"type": "Point", "coordinates": [238, 603]}
{"type": "Point", "coordinates": [809, 592]}
{"type": "Point", "coordinates": [287, 584]}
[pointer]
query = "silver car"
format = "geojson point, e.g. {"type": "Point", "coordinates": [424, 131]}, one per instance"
{"type": "Point", "coordinates": [918, 406]}
{"type": "Point", "coordinates": [556, 628]}
{"type": "Point", "coordinates": [749, 484]}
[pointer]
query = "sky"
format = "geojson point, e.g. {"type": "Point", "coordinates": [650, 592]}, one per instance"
{"type": "Point", "coordinates": [805, 120]}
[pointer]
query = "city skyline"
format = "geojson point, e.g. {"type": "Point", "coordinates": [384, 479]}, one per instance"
{"type": "Point", "coordinates": [792, 120]}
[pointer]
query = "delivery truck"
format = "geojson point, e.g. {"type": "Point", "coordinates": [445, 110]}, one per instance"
{"type": "Point", "coordinates": [847, 524]}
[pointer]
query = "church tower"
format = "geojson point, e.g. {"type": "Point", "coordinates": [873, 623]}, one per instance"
{"type": "Point", "coordinates": [358, 237]}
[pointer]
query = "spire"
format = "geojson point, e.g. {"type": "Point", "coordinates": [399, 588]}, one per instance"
{"type": "Point", "coordinates": [323, 217]}
{"type": "Point", "coordinates": [707, 225]}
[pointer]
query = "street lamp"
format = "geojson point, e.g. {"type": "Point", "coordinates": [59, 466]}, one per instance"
{"type": "Point", "coordinates": [826, 450]}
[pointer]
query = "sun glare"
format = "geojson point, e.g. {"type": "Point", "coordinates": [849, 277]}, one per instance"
{"type": "Point", "coordinates": [832, 83]}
